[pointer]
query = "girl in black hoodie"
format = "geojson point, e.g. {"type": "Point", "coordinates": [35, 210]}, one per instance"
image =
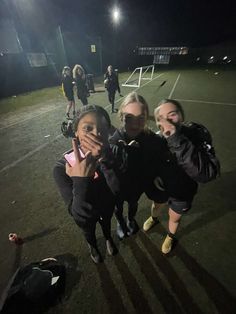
{"type": "Point", "coordinates": [87, 181]}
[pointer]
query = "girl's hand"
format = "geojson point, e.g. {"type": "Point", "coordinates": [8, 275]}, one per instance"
{"type": "Point", "coordinates": [83, 167]}
{"type": "Point", "coordinates": [92, 143]}
{"type": "Point", "coordinates": [167, 128]}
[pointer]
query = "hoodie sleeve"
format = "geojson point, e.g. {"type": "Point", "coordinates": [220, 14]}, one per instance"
{"type": "Point", "coordinates": [76, 192]}
{"type": "Point", "coordinates": [197, 161]}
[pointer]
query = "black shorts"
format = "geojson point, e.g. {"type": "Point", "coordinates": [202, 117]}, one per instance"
{"type": "Point", "coordinates": [155, 194]}
{"type": "Point", "coordinates": [70, 97]}
{"type": "Point", "coordinates": [179, 207]}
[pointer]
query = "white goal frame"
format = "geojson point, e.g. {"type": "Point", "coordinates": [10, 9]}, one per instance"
{"type": "Point", "coordinates": [142, 72]}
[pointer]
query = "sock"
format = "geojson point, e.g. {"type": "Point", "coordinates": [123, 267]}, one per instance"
{"type": "Point", "coordinates": [171, 235]}
{"type": "Point", "coordinates": [155, 219]}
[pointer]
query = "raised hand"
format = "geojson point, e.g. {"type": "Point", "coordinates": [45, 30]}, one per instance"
{"type": "Point", "coordinates": [167, 127]}
{"type": "Point", "coordinates": [83, 167]}
{"type": "Point", "coordinates": [92, 143]}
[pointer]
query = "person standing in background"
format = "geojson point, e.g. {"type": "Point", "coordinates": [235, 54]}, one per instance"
{"type": "Point", "coordinates": [112, 85]}
{"type": "Point", "coordinates": [67, 89]}
{"type": "Point", "coordinates": [80, 82]}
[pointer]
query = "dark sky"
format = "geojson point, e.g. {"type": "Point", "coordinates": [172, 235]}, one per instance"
{"type": "Point", "coordinates": [146, 22]}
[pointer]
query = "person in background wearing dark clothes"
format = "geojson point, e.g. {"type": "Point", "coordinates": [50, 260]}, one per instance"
{"type": "Point", "coordinates": [112, 85]}
{"type": "Point", "coordinates": [89, 186]}
{"type": "Point", "coordinates": [80, 82]}
{"type": "Point", "coordinates": [67, 88]}
{"type": "Point", "coordinates": [190, 144]}
{"type": "Point", "coordinates": [138, 143]}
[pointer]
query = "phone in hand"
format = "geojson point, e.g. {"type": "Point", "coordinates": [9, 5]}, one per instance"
{"type": "Point", "coordinates": [70, 157]}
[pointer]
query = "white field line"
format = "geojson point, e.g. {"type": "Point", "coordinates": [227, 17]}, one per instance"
{"type": "Point", "coordinates": [207, 102]}
{"type": "Point", "coordinates": [13, 164]}
{"type": "Point", "coordinates": [16, 162]}
{"type": "Point", "coordinates": [172, 91]}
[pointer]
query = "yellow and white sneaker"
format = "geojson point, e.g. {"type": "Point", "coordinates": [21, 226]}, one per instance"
{"type": "Point", "coordinates": [149, 223]}
{"type": "Point", "coordinates": [167, 244]}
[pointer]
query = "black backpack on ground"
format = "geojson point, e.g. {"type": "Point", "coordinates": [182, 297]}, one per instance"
{"type": "Point", "coordinates": [34, 288]}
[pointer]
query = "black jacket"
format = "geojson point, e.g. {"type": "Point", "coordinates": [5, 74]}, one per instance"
{"type": "Point", "coordinates": [81, 86]}
{"type": "Point", "coordinates": [88, 198]}
{"type": "Point", "coordinates": [113, 83]}
{"type": "Point", "coordinates": [192, 147]}
{"type": "Point", "coordinates": [67, 85]}
{"type": "Point", "coordinates": [149, 159]}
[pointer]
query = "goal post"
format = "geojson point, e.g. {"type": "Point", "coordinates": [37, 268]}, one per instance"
{"type": "Point", "coordinates": [139, 74]}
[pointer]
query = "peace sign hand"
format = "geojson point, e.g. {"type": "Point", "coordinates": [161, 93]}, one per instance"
{"type": "Point", "coordinates": [83, 167]}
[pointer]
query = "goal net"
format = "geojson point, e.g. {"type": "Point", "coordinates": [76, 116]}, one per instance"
{"type": "Point", "coordinates": [139, 74]}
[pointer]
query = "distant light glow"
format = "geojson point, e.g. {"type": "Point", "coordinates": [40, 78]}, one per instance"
{"type": "Point", "coordinates": [116, 15]}
{"type": "Point", "coordinates": [212, 57]}
{"type": "Point", "coordinates": [225, 58]}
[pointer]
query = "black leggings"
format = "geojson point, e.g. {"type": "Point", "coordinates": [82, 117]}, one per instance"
{"type": "Point", "coordinates": [132, 210]}
{"type": "Point", "coordinates": [83, 99]}
{"type": "Point", "coordinates": [111, 98]}
{"type": "Point", "coordinates": [90, 231]}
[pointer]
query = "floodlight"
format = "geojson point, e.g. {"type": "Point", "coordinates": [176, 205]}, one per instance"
{"type": "Point", "coordinates": [116, 15]}
{"type": "Point", "coordinates": [225, 58]}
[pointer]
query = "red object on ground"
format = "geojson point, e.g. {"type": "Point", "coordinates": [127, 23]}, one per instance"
{"type": "Point", "coordinates": [13, 237]}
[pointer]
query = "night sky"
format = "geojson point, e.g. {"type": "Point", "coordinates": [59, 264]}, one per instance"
{"type": "Point", "coordinates": [154, 23]}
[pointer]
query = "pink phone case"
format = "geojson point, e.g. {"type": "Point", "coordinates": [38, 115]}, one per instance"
{"type": "Point", "coordinates": [70, 158]}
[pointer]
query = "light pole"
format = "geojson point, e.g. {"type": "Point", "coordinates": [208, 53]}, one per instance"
{"type": "Point", "coordinates": [61, 46]}
{"type": "Point", "coordinates": [100, 54]}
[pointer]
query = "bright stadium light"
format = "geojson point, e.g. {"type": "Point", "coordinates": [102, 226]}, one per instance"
{"type": "Point", "coordinates": [116, 15]}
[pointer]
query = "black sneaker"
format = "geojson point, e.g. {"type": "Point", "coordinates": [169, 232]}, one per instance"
{"type": "Point", "coordinates": [111, 248]}
{"type": "Point", "coordinates": [132, 226]}
{"type": "Point", "coordinates": [95, 255]}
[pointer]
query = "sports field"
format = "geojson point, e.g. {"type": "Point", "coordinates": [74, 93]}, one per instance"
{"type": "Point", "coordinates": [198, 276]}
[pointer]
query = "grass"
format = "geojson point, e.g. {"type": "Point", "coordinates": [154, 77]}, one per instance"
{"type": "Point", "coordinates": [14, 103]}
